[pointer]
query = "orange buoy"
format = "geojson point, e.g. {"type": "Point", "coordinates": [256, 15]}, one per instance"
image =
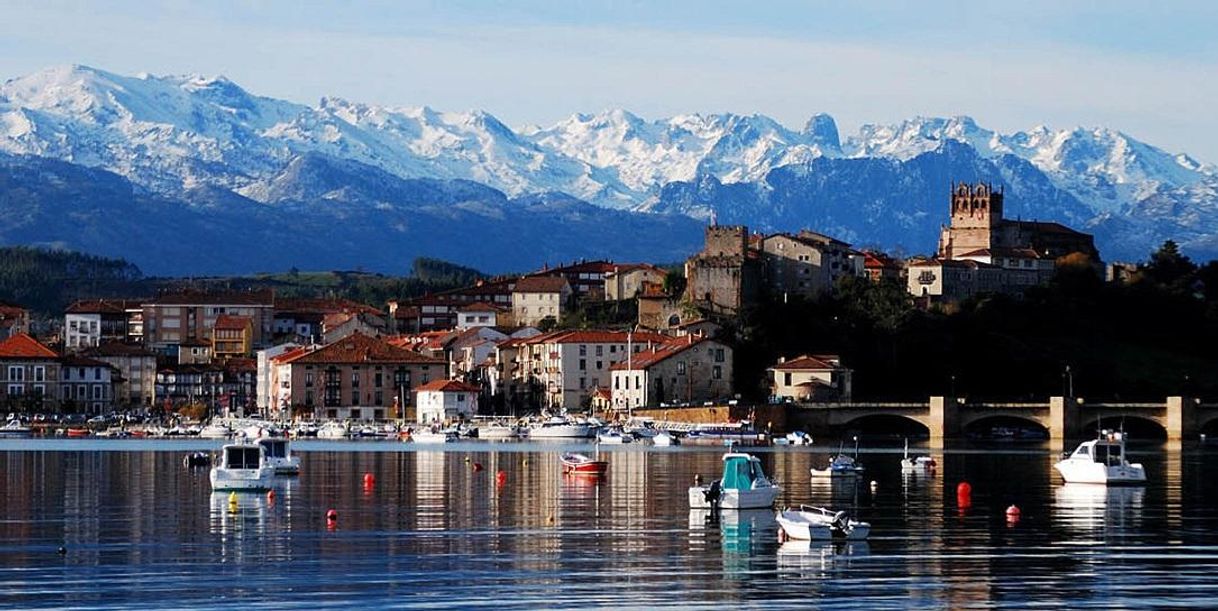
{"type": "Point", "coordinates": [270, 496]}
{"type": "Point", "coordinates": [369, 479]}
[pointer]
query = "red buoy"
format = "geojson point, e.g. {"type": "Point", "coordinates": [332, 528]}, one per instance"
{"type": "Point", "coordinates": [964, 494]}
{"type": "Point", "coordinates": [331, 516]}
{"type": "Point", "coordinates": [270, 496]}
{"type": "Point", "coordinates": [1013, 512]}
{"type": "Point", "coordinates": [501, 477]}
{"type": "Point", "coordinates": [369, 479]}
{"type": "Point", "coordinates": [477, 466]}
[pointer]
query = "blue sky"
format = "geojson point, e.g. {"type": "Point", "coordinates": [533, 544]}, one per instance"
{"type": "Point", "coordinates": [1149, 69]}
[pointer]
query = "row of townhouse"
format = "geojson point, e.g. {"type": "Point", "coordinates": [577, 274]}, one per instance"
{"type": "Point", "coordinates": [34, 378]}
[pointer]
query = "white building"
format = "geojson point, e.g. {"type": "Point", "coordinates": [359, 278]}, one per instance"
{"type": "Point", "coordinates": [477, 315]}
{"type": "Point", "coordinates": [816, 377]}
{"type": "Point", "coordinates": [569, 365]}
{"type": "Point", "coordinates": [535, 298]}
{"type": "Point", "coordinates": [688, 370]}
{"type": "Point", "coordinates": [266, 375]}
{"type": "Point", "coordinates": [445, 400]}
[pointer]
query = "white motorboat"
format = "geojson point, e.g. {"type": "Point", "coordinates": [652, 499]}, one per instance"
{"type": "Point", "coordinates": [614, 437]}
{"type": "Point", "coordinates": [916, 463]}
{"type": "Point", "coordinates": [664, 439]}
{"type": "Point", "coordinates": [215, 430]}
{"type": "Point", "coordinates": [242, 466]}
{"type": "Point", "coordinates": [433, 436]}
{"type": "Point", "coordinates": [1101, 461]}
{"type": "Point", "coordinates": [817, 523]}
{"type": "Point", "coordinates": [498, 432]}
{"type": "Point", "coordinates": [743, 486]}
{"type": "Point", "coordinates": [15, 428]}
{"type": "Point", "coordinates": [842, 465]}
{"type": "Point", "coordinates": [642, 430]}
{"type": "Point", "coordinates": [561, 428]}
{"type": "Point", "coordinates": [333, 430]}
{"type": "Point", "coordinates": [795, 438]}
{"type": "Point", "coordinates": [279, 455]}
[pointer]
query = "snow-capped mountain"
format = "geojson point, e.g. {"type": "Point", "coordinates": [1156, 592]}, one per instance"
{"type": "Point", "coordinates": [195, 139]}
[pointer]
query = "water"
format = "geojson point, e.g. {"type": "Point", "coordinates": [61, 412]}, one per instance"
{"type": "Point", "coordinates": [141, 531]}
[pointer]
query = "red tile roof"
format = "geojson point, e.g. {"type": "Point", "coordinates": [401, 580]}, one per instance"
{"type": "Point", "coordinates": [229, 322]}
{"type": "Point", "coordinates": [448, 386]}
{"type": "Point", "coordinates": [656, 354]}
{"type": "Point", "coordinates": [22, 346]}
{"type": "Point", "coordinates": [590, 336]}
{"type": "Point", "coordinates": [540, 284]}
{"type": "Point", "coordinates": [102, 306]}
{"type": "Point", "coordinates": [808, 362]}
{"type": "Point", "coordinates": [358, 348]}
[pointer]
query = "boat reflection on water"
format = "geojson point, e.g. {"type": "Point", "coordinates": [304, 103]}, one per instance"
{"type": "Point", "coordinates": [241, 513]}
{"type": "Point", "coordinates": [739, 530]}
{"type": "Point", "coordinates": [816, 558]}
{"type": "Point", "coordinates": [1098, 509]}
{"type": "Point", "coordinates": [836, 491]}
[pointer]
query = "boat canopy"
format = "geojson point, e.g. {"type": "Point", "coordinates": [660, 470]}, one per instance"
{"type": "Point", "coordinates": [1106, 452]}
{"type": "Point", "coordinates": [740, 471]}
{"type": "Point", "coordinates": [242, 457]}
{"type": "Point", "coordinates": [275, 448]}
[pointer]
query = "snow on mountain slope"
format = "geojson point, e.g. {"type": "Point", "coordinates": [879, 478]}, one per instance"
{"type": "Point", "coordinates": [177, 133]}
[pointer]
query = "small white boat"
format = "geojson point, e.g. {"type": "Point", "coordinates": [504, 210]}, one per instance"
{"type": "Point", "coordinates": [498, 432]}
{"type": "Point", "coordinates": [614, 437]}
{"type": "Point", "coordinates": [215, 431]}
{"type": "Point", "coordinates": [819, 524]}
{"type": "Point", "coordinates": [743, 486]}
{"type": "Point", "coordinates": [279, 455]}
{"type": "Point", "coordinates": [242, 466]}
{"type": "Point", "coordinates": [664, 439]}
{"type": "Point", "coordinates": [333, 430]}
{"type": "Point", "coordinates": [1101, 461]}
{"type": "Point", "coordinates": [428, 436]}
{"type": "Point", "coordinates": [795, 438]}
{"type": "Point", "coordinates": [842, 465]}
{"type": "Point", "coordinates": [916, 463]}
{"type": "Point", "coordinates": [561, 428]}
{"type": "Point", "coordinates": [15, 428]}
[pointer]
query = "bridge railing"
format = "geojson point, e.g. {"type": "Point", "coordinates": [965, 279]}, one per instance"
{"type": "Point", "coordinates": [856, 405]}
{"type": "Point", "coordinates": [1005, 405]}
{"type": "Point", "coordinates": [1120, 406]}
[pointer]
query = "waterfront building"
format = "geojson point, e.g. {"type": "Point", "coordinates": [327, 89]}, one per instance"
{"type": "Point", "coordinates": [565, 367]}
{"type": "Point", "coordinates": [687, 370]}
{"type": "Point", "coordinates": [29, 374]}
{"type": "Point", "coordinates": [357, 377]}
{"type": "Point", "coordinates": [267, 376]}
{"type": "Point", "coordinates": [811, 377]}
{"type": "Point", "coordinates": [86, 385]}
{"type": "Point", "coordinates": [441, 401]}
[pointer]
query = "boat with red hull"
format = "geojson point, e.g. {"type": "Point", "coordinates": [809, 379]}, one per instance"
{"type": "Point", "coordinates": [581, 464]}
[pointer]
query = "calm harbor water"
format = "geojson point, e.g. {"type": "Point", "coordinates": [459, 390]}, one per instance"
{"type": "Point", "coordinates": [143, 531]}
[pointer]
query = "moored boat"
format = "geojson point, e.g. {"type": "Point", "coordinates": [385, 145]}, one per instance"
{"type": "Point", "coordinates": [498, 432]}
{"type": "Point", "coordinates": [743, 486]}
{"type": "Point", "coordinates": [664, 439]}
{"type": "Point", "coordinates": [573, 462]}
{"type": "Point", "coordinates": [841, 465]}
{"type": "Point", "coordinates": [278, 455]}
{"type": "Point", "coordinates": [1101, 461]}
{"type": "Point", "coordinates": [561, 428]}
{"type": "Point", "coordinates": [614, 437]}
{"type": "Point", "coordinates": [817, 523]}
{"type": "Point", "coordinates": [242, 466]}
{"type": "Point", "coordinates": [916, 463]}
{"type": "Point", "coordinates": [78, 432]}
{"type": "Point", "coordinates": [215, 431]}
{"type": "Point", "coordinates": [15, 428]}
{"type": "Point", "coordinates": [433, 436]}
{"type": "Point", "coordinates": [333, 430]}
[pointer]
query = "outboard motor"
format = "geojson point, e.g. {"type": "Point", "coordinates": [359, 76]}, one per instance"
{"type": "Point", "coordinates": [840, 524]}
{"type": "Point", "coordinates": [712, 495]}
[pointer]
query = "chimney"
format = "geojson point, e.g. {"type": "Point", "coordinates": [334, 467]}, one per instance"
{"type": "Point", "coordinates": [782, 359]}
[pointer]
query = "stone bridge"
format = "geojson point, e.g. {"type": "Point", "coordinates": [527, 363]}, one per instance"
{"type": "Point", "coordinates": [1063, 418]}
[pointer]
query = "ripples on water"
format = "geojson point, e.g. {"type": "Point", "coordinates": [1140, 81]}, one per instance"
{"type": "Point", "coordinates": [142, 531]}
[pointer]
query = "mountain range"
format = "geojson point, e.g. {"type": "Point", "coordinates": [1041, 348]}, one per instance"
{"type": "Point", "coordinates": [190, 174]}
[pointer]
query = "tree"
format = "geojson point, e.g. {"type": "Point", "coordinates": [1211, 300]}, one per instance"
{"type": "Point", "coordinates": [674, 283]}
{"type": "Point", "coordinates": [1169, 268]}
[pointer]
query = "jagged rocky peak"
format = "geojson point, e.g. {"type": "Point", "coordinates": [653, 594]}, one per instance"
{"type": "Point", "coordinates": [822, 130]}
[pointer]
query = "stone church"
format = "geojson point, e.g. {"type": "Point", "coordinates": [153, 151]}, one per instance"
{"type": "Point", "coordinates": [977, 225]}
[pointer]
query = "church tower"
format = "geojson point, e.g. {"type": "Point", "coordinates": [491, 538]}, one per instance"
{"type": "Point", "coordinates": [976, 214]}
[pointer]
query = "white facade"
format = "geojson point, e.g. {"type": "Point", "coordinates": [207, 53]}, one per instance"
{"type": "Point", "coordinates": [266, 375]}
{"type": "Point", "coordinates": [478, 318]}
{"type": "Point", "coordinates": [81, 330]}
{"type": "Point", "coordinates": [438, 406]}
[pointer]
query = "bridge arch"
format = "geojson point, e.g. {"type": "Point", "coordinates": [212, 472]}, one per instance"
{"type": "Point", "coordinates": [1002, 425]}
{"type": "Point", "coordinates": [1140, 428]}
{"type": "Point", "coordinates": [895, 424]}
{"type": "Point", "coordinates": [1207, 423]}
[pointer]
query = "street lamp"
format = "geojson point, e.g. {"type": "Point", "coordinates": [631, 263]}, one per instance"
{"type": "Point", "coordinates": [953, 387]}
{"type": "Point", "coordinates": [1068, 378]}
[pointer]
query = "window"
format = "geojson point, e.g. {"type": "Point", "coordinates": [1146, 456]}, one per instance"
{"type": "Point", "coordinates": [719, 355]}
{"type": "Point", "coordinates": [460, 398]}
{"type": "Point", "coordinates": [82, 391]}
{"type": "Point", "coordinates": [583, 364]}
{"type": "Point", "coordinates": [378, 398]}
{"type": "Point", "coordinates": [308, 379]}
{"type": "Point", "coordinates": [16, 373]}
{"type": "Point", "coordinates": [96, 373]}
{"type": "Point", "coordinates": [40, 390]}
{"type": "Point", "coordinates": [378, 380]}
{"type": "Point", "coordinates": [309, 398]}
{"type": "Point", "coordinates": [681, 368]}
{"type": "Point", "coordinates": [786, 379]}
{"type": "Point", "coordinates": [355, 378]}
{"type": "Point", "coordinates": [355, 397]}
{"type": "Point", "coordinates": [15, 390]}
{"type": "Point", "coordinates": [97, 391]}
{"type": "Point", "coordinates": [600, 364]}
{"type": "Point", "coordinates": [617, 383]}
{"type": "Point", "coordinates": [583, 383]}
{"type": "Point", "coordinates": [40, 374]}
{"type": "Point", "coordinates": [612, 348]}
{"type": "Point", "coordinates": [355, 414]}
{"type": "Point", "coordinates": [717, 372]}
{"type": "Point", "coordinates": [600, 350]}
{"type": "Point", "coordinates": [583, 350]}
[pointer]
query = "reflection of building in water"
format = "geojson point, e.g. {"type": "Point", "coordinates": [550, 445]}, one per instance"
{"type": "Point", "coordinates": [430, 489]}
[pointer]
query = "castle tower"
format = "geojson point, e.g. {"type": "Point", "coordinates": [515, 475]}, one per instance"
{"type": "Point", "coordinates": [976, 212]}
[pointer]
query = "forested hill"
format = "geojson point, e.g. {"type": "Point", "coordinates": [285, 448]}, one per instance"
{"type": "Point", "coordinates": [46, 280]}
